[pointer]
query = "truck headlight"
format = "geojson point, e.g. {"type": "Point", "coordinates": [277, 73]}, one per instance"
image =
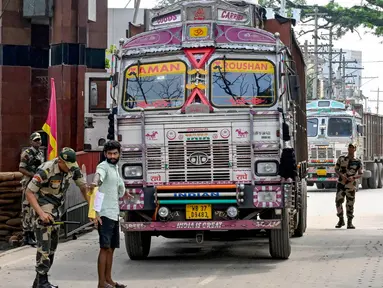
{"type": "Point", "coordinates": [132, 171]}
{"type": "Point", "coordinates": [266, 168]}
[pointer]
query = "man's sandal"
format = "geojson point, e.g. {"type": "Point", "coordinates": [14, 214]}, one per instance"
{"type": "Point", "coordinates": [120, 285]}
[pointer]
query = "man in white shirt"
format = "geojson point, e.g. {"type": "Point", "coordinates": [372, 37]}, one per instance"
{"type": "Point", "coordinates": [111, 188]}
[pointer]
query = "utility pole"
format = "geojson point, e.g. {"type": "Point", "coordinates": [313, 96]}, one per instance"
{"type": "Point", "coordinates": [361, 96]}
{"type": "Point", "coordinates": [283, 8]}
{"type": "Point", "coordinates": [315, 82]}
{"type": "Point", "coordinates": [377, 100]}
{"type": "Point", "coordinates": [137, 4]}
{"type": "Point", "coordinates": [344, 77]}
{"type": "Point", "coordinates": [330, 64]}
{"type": "Point", "coordinates": [330, 53]}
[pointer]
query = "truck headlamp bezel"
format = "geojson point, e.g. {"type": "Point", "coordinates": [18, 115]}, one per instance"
{"type": "Point", "coordinates": [274, 172]}
{"type": "Point", "coordinates": [131, 165]}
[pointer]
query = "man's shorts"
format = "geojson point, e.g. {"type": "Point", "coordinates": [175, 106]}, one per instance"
{"type": "Point", "coordinates": [109, 233]}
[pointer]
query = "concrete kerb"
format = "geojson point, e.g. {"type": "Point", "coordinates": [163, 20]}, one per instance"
{"type": "Point", "coordinates": [62, 240]}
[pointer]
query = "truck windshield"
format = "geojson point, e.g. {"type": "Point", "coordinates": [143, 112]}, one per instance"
{"type": "Point", "coordinates": [155, 86]}
{"type": "Point", "coordinates": [312, 127]}
{"type": "Point", "coordinates": [242, 83]}
{"type": "Point", "coordinates": [339, 127]}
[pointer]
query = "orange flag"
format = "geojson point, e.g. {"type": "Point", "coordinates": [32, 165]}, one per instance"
{"type": "Point", "coordinates": [50, 126]}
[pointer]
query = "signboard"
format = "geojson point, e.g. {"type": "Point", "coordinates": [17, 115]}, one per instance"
{"type": "Point", "coordinates": [243, 66]}
{"type": "Point", "coordinates": [156, 69]}
{"type": "Point", "coordinates": [169, 18]}
{"type": "Point", "coordinates": [231, 16]}
{"type": "Point", "coordinates": [198, 32]}
{"type": "Point", "coordinates": [199, 13]}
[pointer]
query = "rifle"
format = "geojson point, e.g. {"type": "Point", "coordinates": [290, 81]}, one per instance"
{"type": "Point", "coordinates": [58, 223]}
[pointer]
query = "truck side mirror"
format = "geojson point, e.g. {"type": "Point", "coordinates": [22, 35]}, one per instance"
{"type": "Point", "coordinates": [294, 87]}
{"type": "Point", "coordinates": [359, 128]}
{"type": "Point", "coordinates": [115, 79]}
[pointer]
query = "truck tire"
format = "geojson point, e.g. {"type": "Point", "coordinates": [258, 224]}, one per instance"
{"type": "Point", "coordinates": [380, 175]}
{"type": "Point", "coordinates": [373, 180]}
{"type": "Point", "coordinates": [137, 244]}
{"type": "Point", "coordinates": [279, 241]}
{"type": "Point", "coordinates": [302, 214]}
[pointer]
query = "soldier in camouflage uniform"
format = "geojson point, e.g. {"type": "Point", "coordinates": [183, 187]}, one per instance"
{"type": "Point", "coordinates": [30, 160]}
{"type": "Point", "coordinates": [46, 193]}
{"type": "Point", "coordinates": [348, 168]}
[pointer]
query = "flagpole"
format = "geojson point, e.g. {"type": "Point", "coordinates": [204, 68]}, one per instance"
{"type": "Point", "coordinates": [50, 126]}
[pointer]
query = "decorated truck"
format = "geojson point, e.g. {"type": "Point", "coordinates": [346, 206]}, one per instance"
{"type": "Point", "coordinates": [208, 102]}
{"type": "Point", "coordinates": [331, 126]}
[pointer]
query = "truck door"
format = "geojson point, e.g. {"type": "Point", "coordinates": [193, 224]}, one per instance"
{"type": "Point", "coordinates": [98, 98]}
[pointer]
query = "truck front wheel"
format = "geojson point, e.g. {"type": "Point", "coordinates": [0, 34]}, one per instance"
{"type": "Point", "coordinates": [302, 213]}
{"type": "Point", "coordinates": [137, 245]}
{"type": "Point", "coordinates": [279, 243]}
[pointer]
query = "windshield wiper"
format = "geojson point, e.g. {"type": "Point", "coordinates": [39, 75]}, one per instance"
{"type": "Point", "coordinates": [139, 82]}
{"type": "Point", "coordinates": [227, 82]}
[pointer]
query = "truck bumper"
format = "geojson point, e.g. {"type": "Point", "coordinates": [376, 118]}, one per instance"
{"type": "Point", "coordinates": [201, 225]}
{"type": "Point", "coordinates": [321, 179]}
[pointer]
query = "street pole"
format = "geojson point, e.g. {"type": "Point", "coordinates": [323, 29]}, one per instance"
{"type": "Point", "coordinates": [306, 57]}
{"type": "Point", "coordinates": [136, 8]}
{"type": "Point", "coordinates": [315, 83]}
{"type": "Point", "coordinates": [377, 100]}
{"type": "Point", "coordinates": [283, 8]}
{"type": "Point", "coordinates": [344, 77]}
{"type": "Point", "coordinates": [330, 64]}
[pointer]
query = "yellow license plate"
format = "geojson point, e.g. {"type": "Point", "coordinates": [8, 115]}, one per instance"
{"type": "Point", "coordinates": [321, 172]}
{"type": "Point", "coordinates": [200, 211]}
{"type": "Point", "coordinates": [198, 32]}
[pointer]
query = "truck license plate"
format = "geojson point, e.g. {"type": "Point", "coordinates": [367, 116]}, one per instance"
{"type": "Point", "coordinates": [202, 211]}
{"type": "Point", "coordinates": [321, 172]}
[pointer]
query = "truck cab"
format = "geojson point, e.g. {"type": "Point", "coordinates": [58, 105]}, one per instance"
{"type": "Point", "coordinates": [331, 126]}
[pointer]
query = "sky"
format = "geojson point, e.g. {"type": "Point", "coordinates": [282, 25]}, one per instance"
{"type": "Point", "coordinates": [369, 45]}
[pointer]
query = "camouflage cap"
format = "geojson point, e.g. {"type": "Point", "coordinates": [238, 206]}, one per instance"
{"type": "Point", "coordinates": [35, 136]}
{"type": "Point", "coordinates": [68, 155]}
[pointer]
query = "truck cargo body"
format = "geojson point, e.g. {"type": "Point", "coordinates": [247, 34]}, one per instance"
{"type": "Point", "coordinates": [373, 150]}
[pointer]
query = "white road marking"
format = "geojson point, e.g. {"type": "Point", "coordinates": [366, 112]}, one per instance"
{"type": "Point", "coordinates": [207, 280]}
{"type": "Point", "coordinates": [211, 278]}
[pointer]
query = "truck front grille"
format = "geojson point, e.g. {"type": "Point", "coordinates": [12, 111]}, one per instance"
{"type": "Point", "coordinates": [322, 153]}
{"type": "Point", "coordinates": [203, 160]}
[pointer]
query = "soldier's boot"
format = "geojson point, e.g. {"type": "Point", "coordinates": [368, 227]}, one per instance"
{"type": "Point", "coordinates": [42, 282]}
{"type": "Point", "coordinates": [340, 223]}
{"type": "Point", "coordinates": [349, 224]}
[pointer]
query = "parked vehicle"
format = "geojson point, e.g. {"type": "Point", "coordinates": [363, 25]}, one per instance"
{"type": "Point", "coordinates": [209, 105]}
{"type": "Point", "coordinates": [331, 126]}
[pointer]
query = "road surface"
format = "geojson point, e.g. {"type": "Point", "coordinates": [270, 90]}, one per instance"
{"type": "Point", "coordinates": [324, 257]}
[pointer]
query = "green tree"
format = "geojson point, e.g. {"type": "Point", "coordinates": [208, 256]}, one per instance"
{"type": "Point", "coordinates": [112, 49]}
{"type": "Point", "coordinates": [343, 20]}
